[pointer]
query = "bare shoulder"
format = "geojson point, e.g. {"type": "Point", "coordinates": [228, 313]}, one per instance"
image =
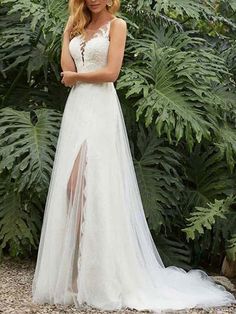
{"type": "Point", "coordinates": [119, 24]}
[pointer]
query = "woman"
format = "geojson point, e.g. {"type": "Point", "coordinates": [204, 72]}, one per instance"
{"type": "Point", "coordinates": [95, 247]}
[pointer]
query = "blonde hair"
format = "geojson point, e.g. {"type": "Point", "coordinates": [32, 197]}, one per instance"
{"type": "Point", "coordinates": [82, 16]}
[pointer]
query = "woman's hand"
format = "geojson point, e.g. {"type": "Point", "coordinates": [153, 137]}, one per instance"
{"type": "Point", "coordinates": [70, 78]}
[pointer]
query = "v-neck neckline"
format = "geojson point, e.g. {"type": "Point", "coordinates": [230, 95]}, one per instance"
{"type": "Point", "coordinates": [84, 41]}
{"type": "Point", "coordinates": [98, 29]}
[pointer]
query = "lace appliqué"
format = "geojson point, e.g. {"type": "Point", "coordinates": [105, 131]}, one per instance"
{"type": "Point", "coordinates": [102, 31]}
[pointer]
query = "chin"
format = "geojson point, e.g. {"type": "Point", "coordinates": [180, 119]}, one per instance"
{"type": "Point", "coordinates": [95, 9]}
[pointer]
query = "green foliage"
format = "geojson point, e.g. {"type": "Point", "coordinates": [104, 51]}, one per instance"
{"type": "Point", "coordinates": [30, 52]}
{"type": "Point", "coordinates": [28, 141]}
{"type": "Point", "coordinates": [172, 76]}
{"type": "Point", "coordinates": [210, 188]}
{"type": "Point", "coordinates": [173, 252]}
{"type": "Point", "coordinates": [20, 220]}
{"type": "Point", "coordinates": [159, 182]}
{"type": "Point", "coordinates": [207, 177]}
{"type": "Point", "coordinates": [183, 8]}
{"type": "Point", "coordinates": [205, 217]}
{"type": "Point", "coordinates": [219, 217]}
{"type": "Point", "coordinates": [28, 145]}
{"type": "Point", "coordinates": [231, 250]}
{"type": "Point", "coordinates": [227, 144]}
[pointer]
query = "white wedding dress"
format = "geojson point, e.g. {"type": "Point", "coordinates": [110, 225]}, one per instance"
{"type": "Point", "coordinates": [96, 249]}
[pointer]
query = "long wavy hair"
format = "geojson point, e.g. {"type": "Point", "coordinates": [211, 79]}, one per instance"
{"type": "Point", "coordinates": [82, 16]}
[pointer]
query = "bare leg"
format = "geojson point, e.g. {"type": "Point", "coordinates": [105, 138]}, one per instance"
{"type": "Point", "coordinates": [75, 193]}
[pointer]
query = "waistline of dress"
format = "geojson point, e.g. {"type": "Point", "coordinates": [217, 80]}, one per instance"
{"type": "Point", "coordinates": [98, 84]}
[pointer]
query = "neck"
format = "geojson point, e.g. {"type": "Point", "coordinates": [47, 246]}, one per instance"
{"type": "Point", "coordinates": [96, 17]}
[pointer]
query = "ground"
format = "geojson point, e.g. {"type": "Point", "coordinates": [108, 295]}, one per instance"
{"type": "Point", "coordinates": [15, 294]}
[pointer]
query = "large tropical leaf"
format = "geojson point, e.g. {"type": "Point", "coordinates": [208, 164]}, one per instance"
{"type": "Point", "coordinates": [172, 78]}
{"type": "Point", "coordinates": [207, 177]}
{"type": "Point", "coordinates": [209, 184]}
{"type": "Point", "coordinates": [193, 9]}
{"type": "Point", "coordinates": [160, 184]}
{"type": "Point", "coordinates": [205, 217]}
{"type": "Point", "coordinates": [227, 144]}
{"type": "Point", "coordinates": [28, 145]}
{"type": "Point", "coordinates": [173, 252]}
{"type": "Point", "coordinates": [34, 30]}
{"type": "Point", "coordinates": [179, 7]}
{"type": "Point", "coordinates": [20, 220]}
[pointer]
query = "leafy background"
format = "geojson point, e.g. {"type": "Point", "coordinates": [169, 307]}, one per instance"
{"type": "Point", "coordinates": [177, 90]}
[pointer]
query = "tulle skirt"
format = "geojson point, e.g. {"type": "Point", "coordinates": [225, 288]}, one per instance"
{"type": "Point", "coordinates": [95, 247]}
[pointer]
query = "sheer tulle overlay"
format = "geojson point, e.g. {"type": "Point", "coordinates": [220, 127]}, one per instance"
{"type": "Point", "coordinates": [95, 247]}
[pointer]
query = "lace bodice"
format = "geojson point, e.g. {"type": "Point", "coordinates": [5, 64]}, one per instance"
{"type": "Point", "coordinates": [91, 54]}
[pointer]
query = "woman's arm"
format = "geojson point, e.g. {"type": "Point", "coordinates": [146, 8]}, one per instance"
{"type": "Point", "coordinates": [67, 62]}
{"type": "Point", "coordinates": [110, 72]}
